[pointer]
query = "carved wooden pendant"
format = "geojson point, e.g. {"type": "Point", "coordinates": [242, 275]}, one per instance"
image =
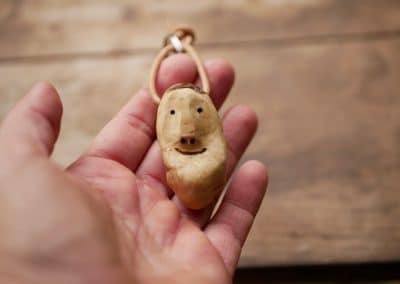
{"type": "Point", "coordinates": [193, 146]}
{"type": "Point", "coordinates": [190, 135]}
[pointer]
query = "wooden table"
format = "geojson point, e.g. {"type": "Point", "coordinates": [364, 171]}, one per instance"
{"type": "Point", "coordinates": [323, 76]}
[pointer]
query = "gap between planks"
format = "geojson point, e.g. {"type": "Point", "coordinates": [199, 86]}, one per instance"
{"type": "Point", "coordinates": [265, 42]}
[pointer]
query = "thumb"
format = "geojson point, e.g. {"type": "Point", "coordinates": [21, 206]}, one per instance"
{"type": "Point", "coordinates": [32, 126]}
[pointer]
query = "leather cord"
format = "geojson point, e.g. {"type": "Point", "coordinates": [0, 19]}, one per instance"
{"type": "Point", "coordinates": [185, 41]}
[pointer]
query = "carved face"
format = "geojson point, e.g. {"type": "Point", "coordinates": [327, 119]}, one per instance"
{"type": "Point", "coordinates": [193, 147]}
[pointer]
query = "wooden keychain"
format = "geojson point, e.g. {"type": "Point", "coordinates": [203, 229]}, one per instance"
{"type": "Point", "coordinates": [189, 130]}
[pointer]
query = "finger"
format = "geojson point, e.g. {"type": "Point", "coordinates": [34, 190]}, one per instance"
{"type": "Point", "coordinates": [178, 68]}
{"type": "Point", "coordinates": [127, 137]}
{"type": "Point", "coordinates": [33, 125]}
{"type": "Point", "coordinates": [239, 125]}
{"type": "Point", "coordinates": [230, 226]}
{"type": "Point", "coordinates": [221, 76]}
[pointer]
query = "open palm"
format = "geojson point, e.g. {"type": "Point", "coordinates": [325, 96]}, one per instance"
{"type": "Point", "coordinates": [157, 237]}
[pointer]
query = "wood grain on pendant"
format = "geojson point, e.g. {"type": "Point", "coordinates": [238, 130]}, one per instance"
{"type": "Point", "coordinates": [193, 146]}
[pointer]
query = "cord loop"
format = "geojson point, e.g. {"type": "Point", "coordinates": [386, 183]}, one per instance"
{"type": "Point", "coordinates": [180, 40]}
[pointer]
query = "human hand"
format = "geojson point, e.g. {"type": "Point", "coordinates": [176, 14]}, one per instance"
{"type": "Point", "coordinates": [110, 216]}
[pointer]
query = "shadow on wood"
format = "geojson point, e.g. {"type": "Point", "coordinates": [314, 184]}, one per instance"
{"type": "Point", "coordinates": [320, 273]}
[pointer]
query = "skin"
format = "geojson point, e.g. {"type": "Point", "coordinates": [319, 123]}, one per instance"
{"type": "Point", "coordinates": [109, 217]}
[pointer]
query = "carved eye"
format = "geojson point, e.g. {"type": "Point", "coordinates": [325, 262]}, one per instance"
{"type": "Point", "coordinates": [172, 112]}
{"type": "Point", "coordinates": [199, 110]}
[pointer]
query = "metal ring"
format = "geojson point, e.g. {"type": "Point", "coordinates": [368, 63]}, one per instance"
{"type": "Point", "coordinates": [183, 34]}
{"type": "Point", "coordinates": [176, 43]}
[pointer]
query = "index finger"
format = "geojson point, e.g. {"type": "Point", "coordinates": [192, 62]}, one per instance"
{"type": "Point", "coordinates": [127, 137]}
{"type": "Point", "coordinates": [229, 228]}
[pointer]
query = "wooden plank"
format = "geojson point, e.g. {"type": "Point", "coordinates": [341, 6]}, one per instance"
{"type": "Point", "coordinates": [46, 27]}
{"type": "Point", "coordinates": [329, 131]}
{"type": "Point", "coordinates": [91, 91]}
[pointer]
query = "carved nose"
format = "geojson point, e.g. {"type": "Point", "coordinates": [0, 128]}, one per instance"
{"type": "Point", "coordinates": [188, 140]}
{"type": "Point", "coordinates": [187, 130]}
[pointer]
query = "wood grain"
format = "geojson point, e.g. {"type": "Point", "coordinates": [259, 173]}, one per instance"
{"type": "Point", "coordinates": [86, 28]}
{"type": "Point", "coordinates": [329, 132]}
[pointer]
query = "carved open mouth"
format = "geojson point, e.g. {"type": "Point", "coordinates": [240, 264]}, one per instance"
{"type": "Point", "coordinates": [185, 152]}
